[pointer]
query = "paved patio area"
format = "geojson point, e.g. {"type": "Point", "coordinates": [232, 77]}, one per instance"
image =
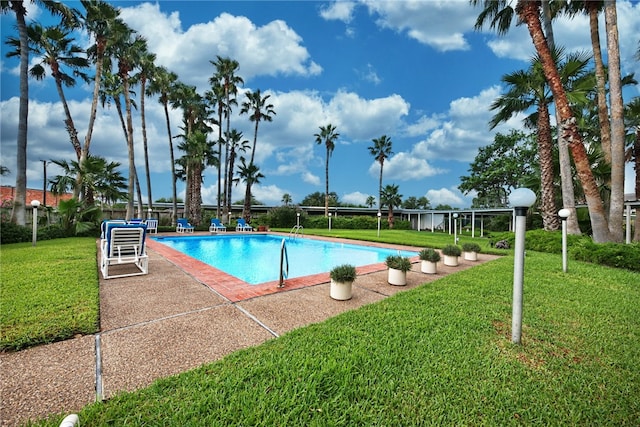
{"type": "Point", "coordinates": [169, 321]}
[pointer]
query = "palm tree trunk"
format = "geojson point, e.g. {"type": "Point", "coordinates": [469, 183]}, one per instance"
{"type": "Point", "coordinates": [144, 141]}
{"type": "Point", "coordinates": [380, 186]}
{"type": "Point", "coordinates": [616, 206]}
{"type": "Point", "coordinates": [174, 190]}
{"type": "Point", "coordinates": [548, 209]}
{"type": "Point", "coordinates": [246, 211]}
{"type": "Point", "coordinates": [636, 156]}
{"type": "Point", "coordinates": [130, 148]}
{"type": "Point", "coordinates": [19, 213]}
{"type": "Point", "coordinates": [326, 185]}
{"type": "Point", "coordinates": [529, 13]}
{"type": "Point", "coordinates": [71, 128]}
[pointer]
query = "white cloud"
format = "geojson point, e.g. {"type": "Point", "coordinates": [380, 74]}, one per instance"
{"type": "Point", "coordinates": [339, 10]}
{"type": "Point", "coordinates": [445, 196]}
{"type": "Point", "coordinates": [355, 198]}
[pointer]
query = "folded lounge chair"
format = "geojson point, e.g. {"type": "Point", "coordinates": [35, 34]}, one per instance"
{"type": "Point", "coordinates": [152, 225]}
{"type": "Point", "coordinates": [183, 226]}
{"type": "Point", "coordinates": [243, 226]}
{"type": "Point", "coordinates": [216, 226]}
{"type": "Point", "coordinates": [123, 244]}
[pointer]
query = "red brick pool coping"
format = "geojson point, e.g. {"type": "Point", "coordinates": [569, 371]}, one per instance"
{"type": "Point", "coordinates": [236, 290]}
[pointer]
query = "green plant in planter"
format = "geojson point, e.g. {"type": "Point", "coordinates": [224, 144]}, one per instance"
{"type": "Point", "coordinates": [471, 247]}
{"type": "Point", "coordinates": [451, 250]}
{"type": "Point", "coordinates": [343, 273]}
{"type": "Point", "coordinates": [429, 254]}
{"type": "Point", "coordinates": [398, 262]}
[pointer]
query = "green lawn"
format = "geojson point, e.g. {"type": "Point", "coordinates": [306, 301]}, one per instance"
{"type": "Point", "coordinates": [48, 292]}
{"type": "Point", "coordinates": [439, 354]}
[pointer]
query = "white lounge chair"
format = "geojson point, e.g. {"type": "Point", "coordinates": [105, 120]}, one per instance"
{"type": "Point", "coordinates": [123, 244]}
{"type": "Point", "coordinates": [152, 226]}
{"type": "Point", "coordinates": [216, 226]}
{"type": "Point", "coordinates": [183, 226]}
{"type": "Point", "coordinates": [243, 226]}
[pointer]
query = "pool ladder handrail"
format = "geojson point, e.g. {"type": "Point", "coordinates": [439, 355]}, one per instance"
{"type": "Point", "coordinates": [294, 231]}
{"type": "Point", "coordinates": [284, 263]}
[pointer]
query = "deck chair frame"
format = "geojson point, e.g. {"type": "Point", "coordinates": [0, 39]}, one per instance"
{"type": "Point", "coordinates": [124, 244]}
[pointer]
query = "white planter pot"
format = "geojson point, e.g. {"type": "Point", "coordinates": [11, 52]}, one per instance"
{"type": "Point", "coordinates": [397, 277]}
{"type": "Point", "coordinates": [341, 290]}
{"type": "Point", "coordinates": [428, 267]}
{"type": "Point", "coordinates": [471, 256]}
{"type": "Point", "coordinates": [450, 260]}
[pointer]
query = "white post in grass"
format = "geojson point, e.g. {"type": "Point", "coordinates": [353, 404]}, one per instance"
{"type": "Point", "coordinates": [520, 199]}
{"type": "Point", "coordinates": [298, 219]}
{"type": "Point", "coordinates": [34, 237]}
{"type": "Point", "coordinates": [329, 221]}
{"type": "Point", "coordinates": [564, 214]}
{"type": "Point", "coordinates": [379, 216]}
{"type": "Point", "coordinates": [455, 228]}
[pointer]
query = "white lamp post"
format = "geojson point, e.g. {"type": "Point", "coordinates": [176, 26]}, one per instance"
{"type": "Point", "coordinates": [455, 228]}
{"type": "Point", "coordinates": [298, 219]}
{"type": "Point", "coordinates": [379, 216]}
{"type": "Point", "coordinates": [564, 214]}
{"type": "Point", "coordinates": [149, 212]}
{"type": "Point", "coordinates": [329, 221]}
{"type": "Point", "coordinates": [34, 205]}
{"type": "Point", "coordinates": [520, 199]}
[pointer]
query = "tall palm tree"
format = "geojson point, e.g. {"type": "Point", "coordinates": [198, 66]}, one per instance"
{"type": "Point", "coordinates": [371, 201]}
{"type": "Point", "coordinates": [216, 99]}
{"type": "Point", "coordinates": [163, 83]}
{"type": "Point", "coordinates": [286, 199]}
{"type": "Point", "coordinates": [328, 137]}
{"type": "Point", "coordinates": [58, 53]}
{"type": "Point", "coordinates": [128, 53]}
{"type": "Point", "coordinates": [632, 115]}
{"type": "Point", "coordinates": [500, 15]}
{"type": "Point", "coordinates": [391, 198]}
{"type": "Point", "coordinates": [198, 154]}
{"type": "Point", "coordinates": [381, 150]}
{"type": "Point", "coordinates": [226, 69]}
{"type": "Point", "coordinates": [249, 174]}
{"type": "Point", "coordinates": [529, 13]}
{"type": "Point", "coordinates": [147, 68]}
{"type": "Point", "coordinates": [236, 143]}
{"type": "Point", "coordinates": [56, 8]}
{"type": "Point", "coordinates": [101, 20]}
{"type": "Point", "coordinates": [259, 110]}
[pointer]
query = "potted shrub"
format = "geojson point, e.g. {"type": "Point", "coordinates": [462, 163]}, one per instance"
{"type": "Point", "coordinates": [398, 267]}
{"type": "Point", "coordinates": [429, 260]}
{"type": "Point", "coordinates": [471, 251]}
{"type": "Point", "coordinates": [342, 278]}
{"type": "Point", "coordinates": [451, 254]}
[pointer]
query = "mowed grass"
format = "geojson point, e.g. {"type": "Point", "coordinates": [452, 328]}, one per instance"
{"type": "Point", "coordinates": [48, 292]}
{"type": "Point", "coordinates": [440, 354]}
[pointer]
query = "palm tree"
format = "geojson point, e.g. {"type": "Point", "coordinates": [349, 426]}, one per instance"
{"type": "Point", "coordinates": [163, 83]}
{"type": "Point", "coordinates": [529, 13]}
{"type": "Point", "coordinates": [225, 75]}
{"type": "Point", "coordinates": [147, 68]}
{"type": "Point", "coordinates": [381, 150]}
{"type": "Point", "coordinates": [56, 8]}
{"type": "Point", "coordinates": [286, 199]}
{"type": "Point", "coordinates": [102, 21]}
{"type": "Point", "coordinates": [57, 52]}
{"type": "Point", "coordinates": [249, 174]}
{"type": "Point", "coordinates": [370, 201]}
{"type": "Point", "coordinates": [632, 115]}
{"type": "Point", "coordinates": [198, 154]}
{"type": "Point", "coordinates": [501, 15]}
{"type": "Point", "coordinates": [260, 110]}
{"type": "Point", "coordinates": [328, 137]}
{"type": "Point", "coordinates": [236, 143]}
{"type": "Point", "coordinates": [390, 198]}
{"type": "Point", "coordinates": [216, 98]}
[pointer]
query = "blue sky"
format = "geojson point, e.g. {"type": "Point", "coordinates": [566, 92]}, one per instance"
{"type": "Point", "coordinates": [415, 71]}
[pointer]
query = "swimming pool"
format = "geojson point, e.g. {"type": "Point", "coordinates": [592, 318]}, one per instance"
{"type": "Point", "coordinates": [255, 259]}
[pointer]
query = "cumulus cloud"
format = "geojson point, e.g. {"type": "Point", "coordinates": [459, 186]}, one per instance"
{"type": "Point", "coordinates": [445, 196]}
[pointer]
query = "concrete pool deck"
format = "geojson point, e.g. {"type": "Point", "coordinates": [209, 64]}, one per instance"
{"type": "Point", "coordinates": [169, 321]}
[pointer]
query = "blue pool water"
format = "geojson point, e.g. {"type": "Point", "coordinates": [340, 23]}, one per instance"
{"type": "Point", "coordinates": [256, 258]}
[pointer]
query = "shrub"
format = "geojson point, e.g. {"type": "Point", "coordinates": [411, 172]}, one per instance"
{"type": "Point", "coordinates": [14, 233]}
{"type": "Point", "coordinates": [610, 254]}
{"type": "Point", "coordinates": [398, 262]}
{"type": "Point", "coordinates": [429, 254]}
{"type": "Point", "coordinates": [471, 247]}
{"type": "Point", "coordinates": [343, 273]}
{"type": "Point", "coordinates": [452, 250]}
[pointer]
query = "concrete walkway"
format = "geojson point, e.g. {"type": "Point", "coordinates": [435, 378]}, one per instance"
{"type": "Point", "coordinates": [165, 323]}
